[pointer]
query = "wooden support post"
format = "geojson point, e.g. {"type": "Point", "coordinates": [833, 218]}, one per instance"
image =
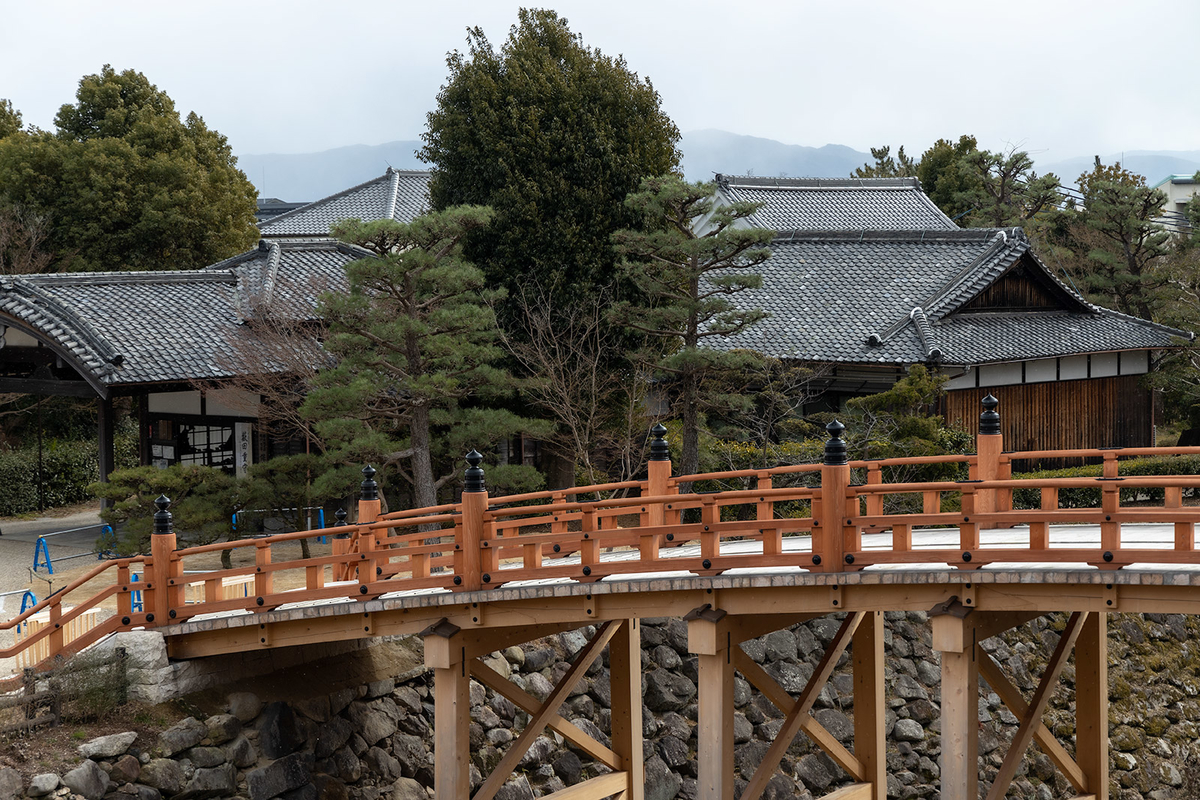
{"type": "Point", "coordinates": [470, 534]}
{"type": "Point", "coordinates": [869, 740]}
{"type": "Point", "coordinates": [125, 597]}
{"type": "Point", "coordinates": [765, 510]}
{"type": "Point", "coordinates": [989, 443]}
{"type": "Point", "coordinates": [264, 578]}
{"type": "Point", "coordinates": [162, 548]}
{"type": "Point", "coordinates": [1039, 532]}
{"type": "Point", "coordinates": [954, 636]}
{"type": "Point", "coordinates": [1091, 703]}
{"type": "Point", "coordinates": [444, 654]}
{"type": "Point", "coordinates": [625, 669]}
{"type": "Point", "coordinates": [714, 733]}
{"type": "Point", "coordinates": [1110, 529]}
{"type": "Point", "coordinates": [828, 541]}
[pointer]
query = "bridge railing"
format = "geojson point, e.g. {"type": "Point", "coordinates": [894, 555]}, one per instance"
{"type": "Point", "coordinates": [810, 516]}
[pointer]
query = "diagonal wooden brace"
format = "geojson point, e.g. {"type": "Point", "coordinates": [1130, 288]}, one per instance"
{"type": "Point", "coordinates": [798, 714]}
{"type": "Point", "coordinates": [1032, 719]}
{"type": "Point", "coordinates": [1011, 696]}
{"type": "Point", "coordinates": [539, 721]}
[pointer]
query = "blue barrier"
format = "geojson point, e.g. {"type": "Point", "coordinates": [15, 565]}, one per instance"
{"type": "Point", "coordinates": [135, 597]}
{"type": "Point", "coordinates": [40, 548]}
{"type": "Point", "coordinates": [28, 601]}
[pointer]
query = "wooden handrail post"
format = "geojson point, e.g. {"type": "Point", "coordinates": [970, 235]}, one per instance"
{"type": "Point", "coordinates": [658, 476]}
{"type": "Point", "coordinates": [339, 547]}
{"type": "Point", "coordinates": [470, 534]}
{"type": "Point", "coordinates": [989, 444]}
{"type": "Point", "coordinates": [162, 547]}
{"type": "Point", "coordinates": [369, 508]}
{"type": "Point", "coordinates": [828, 542]}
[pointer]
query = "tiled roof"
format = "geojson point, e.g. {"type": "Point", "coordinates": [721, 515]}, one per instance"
{"type": "Point", "coordinates": [153, 327]}
{"type": "Point", "coordinates": [402, 195]}
{"type": "Point", "coordinates": [842, 204]}
{"type": "Point", "coordinates": [897, 298]}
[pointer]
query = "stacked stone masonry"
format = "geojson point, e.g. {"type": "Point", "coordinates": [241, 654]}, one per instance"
{"type": "Point", "coordinates": [373, 742]}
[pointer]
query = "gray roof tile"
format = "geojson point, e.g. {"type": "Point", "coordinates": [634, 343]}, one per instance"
{"type": "Point", "coordinates": [828, 293]}
{"type": "Point", "coordinates": [402, 195]}
{"type": "Point", "coordinates": [848, 204]}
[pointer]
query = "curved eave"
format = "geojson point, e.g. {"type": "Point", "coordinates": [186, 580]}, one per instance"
{"type": "Point", "coordinates": [59, 349]}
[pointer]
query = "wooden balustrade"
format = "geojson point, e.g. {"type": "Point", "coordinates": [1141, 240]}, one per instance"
{"type": "Point", "coordinates": [588, 533]}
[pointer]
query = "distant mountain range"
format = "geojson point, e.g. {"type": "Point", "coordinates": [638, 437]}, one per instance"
{"type": "Point", "coordinates": [311, 176]}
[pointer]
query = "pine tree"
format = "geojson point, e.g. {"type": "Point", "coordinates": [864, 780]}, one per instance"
{"type": "Point", "coordinates": [415, 344]}
{"type": "Point", "coordinates": [686, 281]}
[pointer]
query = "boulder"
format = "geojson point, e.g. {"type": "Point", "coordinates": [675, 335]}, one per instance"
{"type": "Point", "coordinates": [223, 728]}
{"type": "Point", "coordinates": [206, 757]}
{"type": "Point", "coordinates": [163, 774]}
{"type": "Point", "coordinates": [516, 789]}
{"type": "Point", "coordinates": [11, 785]}
{"type": "Point", "coordinates": [244, 705]}
{"type": "Point", "coordinates": [332, 736]}
{"type": "Point", "coordinates": [666, 691]}
{"type": "Point", "coordinates": [241, 753]}
{"type": "Point", "coordinates": [408, 789]}
{"type": "Point", "coordinates": [210, 782]}
{"type": "Point", "coordinates": [908, 730]}
{"type": "Point", "coordinates": [568, 767]}
{"type": "Point", "coordinates": [288, 773]}
{"type": "Point", "coordinates": [107, 746]}
{"type": "Point", "coordinates": [278, 733]}
{"type": "Point", "coordinates": [410, 752]}
{"type": "Point", "coordinates": [374, 721]}
{"type": "Point", "coordinates": [86, 780]}
{"type": "Point", "coordinates": [181, 736]}
{"type": "Point", "coordinates": [125, 769]}
{"type": "Point", "coordinates": [43, 784]}
{"type": "Point", "coordinates": [661, 783]}
{"type": "Point", "coordinates": [330, 788]}
{"type": "Point", "coordinates": [817, 771]}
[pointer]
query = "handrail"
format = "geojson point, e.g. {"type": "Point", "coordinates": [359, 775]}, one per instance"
{"type": "Point", "coordinates": [482, 542]}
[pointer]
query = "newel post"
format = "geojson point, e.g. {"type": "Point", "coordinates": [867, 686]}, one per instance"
{"type": "Point", "coordinates": [658, 476]}
{"type": "Point", "coordinates": [470, 535]}
{"type": "Point", "coordinates": [369, 508]}
{"type": "Point", "coordinates": [828, 523]}
{"type": "Point", "coordinates": [989, 444]}
{"type": "Point", "coordinates": [162, 547]}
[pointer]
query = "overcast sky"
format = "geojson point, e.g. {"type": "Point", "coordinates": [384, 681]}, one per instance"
{"type": "Point", "coordinates": [1059, 79]}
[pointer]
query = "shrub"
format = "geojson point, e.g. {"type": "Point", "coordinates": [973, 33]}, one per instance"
{"type": "Point", "coordinates": [1089, 497]}
{"type": "Point", "coordinates": [67, 470]}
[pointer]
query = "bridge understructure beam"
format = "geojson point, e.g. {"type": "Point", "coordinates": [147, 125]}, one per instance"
{"type": "Point", "coordinates": [958, 635]}
{"type": "Point", "coordinates": [454, 656]}
{"type": "Point", "coordinates": [714, 636]}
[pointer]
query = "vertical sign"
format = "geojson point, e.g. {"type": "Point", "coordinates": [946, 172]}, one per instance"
{"type": "Point", "coordinates": [243, 451]}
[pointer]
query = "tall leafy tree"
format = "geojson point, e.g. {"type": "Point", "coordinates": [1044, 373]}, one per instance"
{"type": "Point", "coordinates": [10, 119]}
{"type": "Point", "coordinates": [947, 177]}
{"type": "Point", "coordinates": [415, 343]}
{"type": "Point", "coordinates": [552, 134]}
{"type": "Point", "coordinates": [685, 282]}
{"type": "Point", "coordinates": [126, 183]}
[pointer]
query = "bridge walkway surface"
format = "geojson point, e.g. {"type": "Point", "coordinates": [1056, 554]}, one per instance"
{"type": "Point", "coordinates": [981, 552]}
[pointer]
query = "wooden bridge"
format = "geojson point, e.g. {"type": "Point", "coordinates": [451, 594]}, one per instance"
{"type": "Point", "coordinates": [795, 543]}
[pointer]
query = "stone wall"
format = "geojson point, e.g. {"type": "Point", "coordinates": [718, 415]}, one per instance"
{"type": "Point", "coordinates": [374, 740]}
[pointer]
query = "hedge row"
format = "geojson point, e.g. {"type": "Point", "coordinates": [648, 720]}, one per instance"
{"type": "Point", "coordinates": [1089, 497]}
{"type": "Point", "coordinates": [67, 469]}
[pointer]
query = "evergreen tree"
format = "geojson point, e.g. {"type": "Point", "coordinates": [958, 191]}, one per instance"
{"type": "Point", "coordinates": [127, 184]}
{"type": "Point", "coordinates": [415, 343]}
{"type": "Point", "coordinates": [1121, 248]}
{"type": "Point", "coordinates": [685, 281]}
{"type": "Point", "coordinates": [553, 135]}
{"type": "Point", "coordinates": [946, 178]}
{"type": "Point", "coordinates": [1004, 190]}
{"type": "Point", "coordinates": [887, 167]}
{"type": "Point", "coordinates": [10, 119]}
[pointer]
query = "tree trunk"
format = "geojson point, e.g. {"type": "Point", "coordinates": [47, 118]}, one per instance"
{"type": "Point", "coordinates": [689, 462]}
{"type": "Point", "coordinates": [424, 493]}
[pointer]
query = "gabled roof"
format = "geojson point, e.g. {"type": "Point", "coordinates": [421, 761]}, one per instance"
{"type": "Point", "coordinates": [829, 204]}
{"type": "Point", "coordinates": [121, 328]}
{"type": "Point", "coordinates": [902, 297]}
{"type": "Point", "coordinates": [402, 195]}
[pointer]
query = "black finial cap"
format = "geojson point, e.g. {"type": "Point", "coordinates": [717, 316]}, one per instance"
{"type": "Point", "coordinates": [162, 517]}
{"type": "Point", "coordinates": [370, 489]}
{"type": "Point", "coordinates": [835, 448]}
{"type": "Point", "coordinates": [659, 450]}
{"type": "Point", "coordinates": [473, 477]}
{"type": "Point", "coordinates": [340, 516]}
{"type": "Point", "coordinates": [989, 420]}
